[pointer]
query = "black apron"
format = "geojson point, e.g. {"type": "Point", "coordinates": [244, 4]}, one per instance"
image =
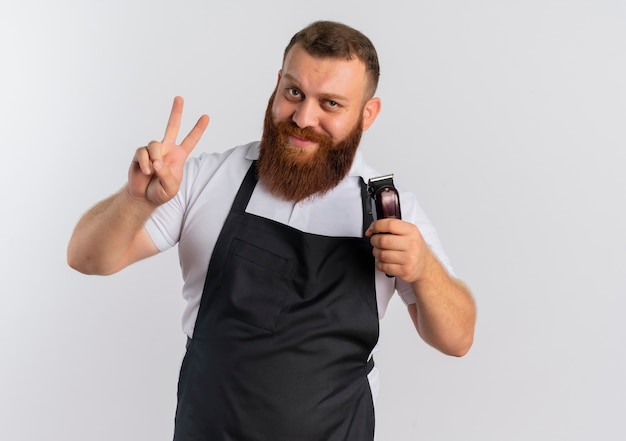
{"type": "Point", "coordinates": [280, 347]}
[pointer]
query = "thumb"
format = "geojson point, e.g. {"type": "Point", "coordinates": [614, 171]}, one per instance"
{"type": "Point", "coordinates": [166, 183]}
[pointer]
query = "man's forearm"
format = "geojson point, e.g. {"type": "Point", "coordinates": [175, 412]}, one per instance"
{"type": "Point", "coordinates": [445, 313]}
{"type": "Point", "coordinates": [104, 240]}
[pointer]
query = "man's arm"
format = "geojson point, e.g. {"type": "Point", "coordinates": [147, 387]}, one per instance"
{"type": "Point", "coordinates": [444, 313]}
{"type": "Point", "coordinates": [111, 235]}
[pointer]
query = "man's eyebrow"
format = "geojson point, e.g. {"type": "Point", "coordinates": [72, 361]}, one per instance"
{"type": "Point", "coordinates": [327, 96]}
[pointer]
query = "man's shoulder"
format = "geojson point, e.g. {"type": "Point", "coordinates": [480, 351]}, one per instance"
{"type": "Point", "coordinates": [209, 162]}
{"type": "Point", "coordinates": [361, 168]}
{"type": "Point", "coordinates": [249, 151]}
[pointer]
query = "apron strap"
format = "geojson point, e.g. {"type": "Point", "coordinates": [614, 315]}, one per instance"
{"type": "Point", "coordinates": [367, 207]}
{"type": "Point", "coordinates": [245, 190]}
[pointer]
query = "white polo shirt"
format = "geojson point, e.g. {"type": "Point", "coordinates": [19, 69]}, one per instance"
{"type": "Point", "coordinates": [193, 219]}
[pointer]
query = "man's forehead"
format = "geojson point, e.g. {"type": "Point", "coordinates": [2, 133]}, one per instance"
{"type": "Point", "coordinates": [335, 73]}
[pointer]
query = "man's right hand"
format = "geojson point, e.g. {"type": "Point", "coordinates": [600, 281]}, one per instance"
{"type": "Point", "coordinates": [157, 169]}
{"type": "Point", "coordinates": [111, 235]}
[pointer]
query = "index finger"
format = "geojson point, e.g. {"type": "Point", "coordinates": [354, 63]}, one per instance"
{"type": "Point", "coordinates": [173, 123]}
{"type": "Point", "coordinates": [388, 225]}
{"type": "Point", "coordinates": [195, 134]}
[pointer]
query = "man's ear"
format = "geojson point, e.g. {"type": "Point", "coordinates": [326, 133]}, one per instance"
{"type": "Point", "coordinates": [280, 74]}
{"type": "Point", "coordinates": [370, 112]}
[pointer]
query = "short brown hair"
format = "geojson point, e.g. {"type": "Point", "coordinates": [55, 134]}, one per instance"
{"type": "Point", "coordinates": [337, 40]}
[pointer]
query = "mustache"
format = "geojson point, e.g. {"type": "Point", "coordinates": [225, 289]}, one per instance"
{"type": "Point", "coordinates": [290, 128]}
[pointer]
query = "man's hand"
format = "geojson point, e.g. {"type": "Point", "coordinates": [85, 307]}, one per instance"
{"type": "Point", "coordinates": [157, 169]}
{"type": "Point", "coordinates": [111, 235]}
{"type": "Point", "coordinates": [403, 253]}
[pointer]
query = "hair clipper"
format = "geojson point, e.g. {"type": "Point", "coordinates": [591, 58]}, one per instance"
{"type": "Point", "coordinates": [386, 198]}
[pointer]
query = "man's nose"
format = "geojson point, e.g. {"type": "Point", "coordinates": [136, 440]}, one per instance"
{"type": "Point", "coordinates": [306, 114]}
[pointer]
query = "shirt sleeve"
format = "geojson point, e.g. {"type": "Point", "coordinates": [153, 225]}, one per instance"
{"type": "Point", "coordinates": [413, 212]}
{"type": "Point", "coordinates": [165, 224]}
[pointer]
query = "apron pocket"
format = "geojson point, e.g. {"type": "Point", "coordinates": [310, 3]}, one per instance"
{"type": "Point", "coordinates": [260, 281]}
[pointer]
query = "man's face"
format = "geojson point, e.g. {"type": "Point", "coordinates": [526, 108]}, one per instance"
{"type": "Point", "coordinates": [313, 124]}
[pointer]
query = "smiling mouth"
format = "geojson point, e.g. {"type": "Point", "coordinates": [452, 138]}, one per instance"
{"type": "Point", "coordinates": [303, 143]}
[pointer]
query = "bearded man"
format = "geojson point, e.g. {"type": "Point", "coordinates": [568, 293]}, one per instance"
{"type": "Point", "coordinates": [284, 267]}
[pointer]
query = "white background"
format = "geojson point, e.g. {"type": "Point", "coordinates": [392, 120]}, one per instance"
{"type": "Point", "coordinates": [507, 118]}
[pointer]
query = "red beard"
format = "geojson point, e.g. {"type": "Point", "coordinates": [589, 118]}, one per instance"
{"type": "Point", "coordinates": [295, 174]}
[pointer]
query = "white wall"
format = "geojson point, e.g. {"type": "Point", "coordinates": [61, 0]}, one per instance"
{"type": "Point", "coordinates": [507, 118]}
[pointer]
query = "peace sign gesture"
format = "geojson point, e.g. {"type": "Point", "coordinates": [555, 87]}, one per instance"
{"type": "Point", "coordinates": [157, 169]}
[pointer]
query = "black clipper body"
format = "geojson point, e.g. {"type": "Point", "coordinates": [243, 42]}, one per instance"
{"type": "Point", "coordinates": [385, 196]}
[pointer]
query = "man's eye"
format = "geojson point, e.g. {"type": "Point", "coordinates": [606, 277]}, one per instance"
{"type": "Point", "coordinates": [293, 92]}
{"type": "Point", "coordinates": [332, 105]}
